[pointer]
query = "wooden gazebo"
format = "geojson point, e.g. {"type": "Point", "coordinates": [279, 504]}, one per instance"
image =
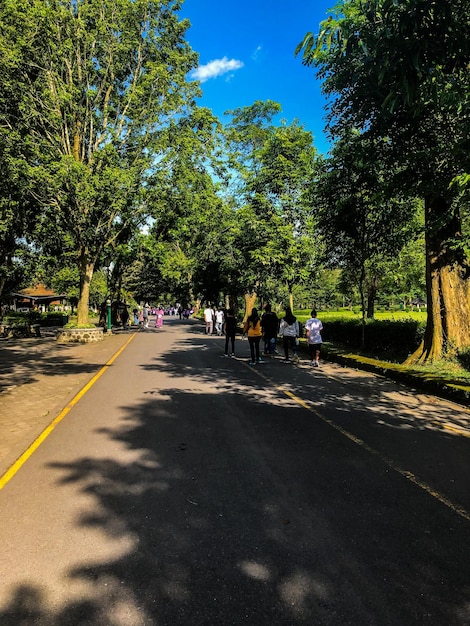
{"type": "Point", "coordinates": [36, 297]}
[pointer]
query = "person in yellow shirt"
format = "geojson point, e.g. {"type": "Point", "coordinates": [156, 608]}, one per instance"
{"type": "Point", "coordinates": [252, 329]}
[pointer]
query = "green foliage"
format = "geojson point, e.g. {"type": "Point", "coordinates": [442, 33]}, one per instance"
{"type": "Point", "coordinates": [75, 324]}
{"type": "Point", "coordinates": [53, 319]}
{"type": "Point", "coordinates": [94, 85]}
{"type": "Point", "coordinates": [16, 317]}
{"type": "Point", "coordinates": [396, 74]}
{"type": "Point", "coordinates": [363, 228]}
{"type": "Point", "coordinates": [397, 339]}
{"type": "Point", "coordinates": [463, 358]}
{"type": "Point", "coordinates": [273, 167]}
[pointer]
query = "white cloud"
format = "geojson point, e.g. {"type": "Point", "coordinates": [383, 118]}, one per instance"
{"type": "Point", "coordinates": [215, 68]}
{"type": "Point", "coordinates": [255, 54]}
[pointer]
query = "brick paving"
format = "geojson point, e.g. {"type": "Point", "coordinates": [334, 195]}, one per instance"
{"type": "Point", "coordinates": [38, 377]}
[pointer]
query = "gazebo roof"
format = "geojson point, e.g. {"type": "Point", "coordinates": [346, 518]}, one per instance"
{"type": "Point", "coordinates": [39, 293]}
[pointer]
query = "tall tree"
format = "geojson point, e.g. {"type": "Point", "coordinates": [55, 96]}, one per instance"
{"type": "Point", "coordinates": [361, 225]}
{"type": "Point", "coordinates": [246, 133]}
{"type": "Point", "coordinates": [398, 72]}
{"type": "Point", "coordinates": [282, 200]}
{"type": "Point", "coordinates": [275, 166]}
{"type": "Point", "coordinates": [17, 209]}
{"type": "Point", "coordinates": [100, 81]}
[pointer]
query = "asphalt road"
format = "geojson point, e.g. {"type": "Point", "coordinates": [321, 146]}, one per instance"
{"type": "Point", "coordinates": [185, 488]}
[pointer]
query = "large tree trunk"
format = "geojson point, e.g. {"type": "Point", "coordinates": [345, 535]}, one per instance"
{"type": "Point", "coordinates": [362, 279]}
{"type": "Point", "coordinates": [86, 268]}
{"type": "Point", "coordinates": [250, 301]}
{"type": "Point", "coordinates": [291, 300]}
{"type": "Point", "coordinates": [447, 286]}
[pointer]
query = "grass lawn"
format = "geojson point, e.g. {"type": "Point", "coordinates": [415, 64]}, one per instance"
{"type": "Point", "coordinates": [325, 316]}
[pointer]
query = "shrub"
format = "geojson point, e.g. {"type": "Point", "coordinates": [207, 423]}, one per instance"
{"type": "Point", "coordinates": [393, 339]}
{"type": "Point", "coordinates": [82, 326]}
{"type": "Point", "coordinates": [54, 319]}
{"type": "Point", "coordinates": [463, 357]}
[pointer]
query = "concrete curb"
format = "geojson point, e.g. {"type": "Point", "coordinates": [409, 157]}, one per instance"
{"type": "Point", "coordinates": [407, 376]}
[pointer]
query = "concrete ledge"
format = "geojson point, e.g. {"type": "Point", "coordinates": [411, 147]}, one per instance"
{"type": "Point", "coordinates": [17, 329]}
{"type": "Point", "coordinates": [79, 335]}
{"type": "Point", "coordinates": [427, 383]}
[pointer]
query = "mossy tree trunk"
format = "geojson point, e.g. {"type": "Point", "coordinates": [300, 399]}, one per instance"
{"type": "Point", "coordinates": [447, 286]}
{"type": "Point", "coordinates": [250, 301]}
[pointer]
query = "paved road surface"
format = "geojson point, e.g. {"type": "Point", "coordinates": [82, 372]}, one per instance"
{"type": "Point", "coordinates": [189, 489]}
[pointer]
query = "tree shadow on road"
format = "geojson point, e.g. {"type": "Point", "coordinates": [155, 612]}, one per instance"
{"type": "Point", "coordinates": [253, 510]}
{"type": "Point", "coordinates": [23, 362]}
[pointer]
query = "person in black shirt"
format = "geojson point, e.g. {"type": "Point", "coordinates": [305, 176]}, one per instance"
{"type": "Point", "coordinates": [230, 330]}
{"type": "Point", "coordinates": [269, 325]}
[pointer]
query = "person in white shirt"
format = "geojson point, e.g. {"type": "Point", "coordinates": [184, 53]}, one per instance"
{"type": "Point", "coordinates": [289, 331]}
{"type": "Point", "coordinates": [219, 321]}
{"type": "Point", "coordinates": [209, 319]}
{"type": "Point", "coordinates": [313, 328]}
{"type": "Point", "coordinates": [145, 314]}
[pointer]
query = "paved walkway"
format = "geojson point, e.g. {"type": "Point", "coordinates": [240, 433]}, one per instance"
{"type": "Point", "coordinates": [38, 377]}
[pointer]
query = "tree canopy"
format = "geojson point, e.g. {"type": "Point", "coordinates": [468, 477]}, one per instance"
{"type": "Point", "coordinates": [397, 72]}
{"type": "Point", "coordinates": [99, 84]}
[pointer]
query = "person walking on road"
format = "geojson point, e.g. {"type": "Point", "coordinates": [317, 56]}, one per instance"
{"type": "Point", "coordinates": [219, 321]}
{"type": "Point", "coordinates": [230, 330]}
{"type": "Point", "coordinates": [209, 319]}
{"type": "Point", "coordinates": [313, 328]}
{"type": "Point", "coordinates": [269, 326]}
{"type": "Point", "coordinates": [289, 331]}
{"type": "Point", "coordinates": [252, 328]}
{"type": "Point", "coordinates": [159, 318]}
{"type": "Point", "coordinates": [125, 317]}
{"type": "Point", "coordinates": [145, 315]}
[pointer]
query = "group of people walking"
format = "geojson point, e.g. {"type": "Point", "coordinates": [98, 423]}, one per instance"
{"type": "Point", "coordinates": [269, 327]}
{"type": "Point", "coordinates": [142, 316]}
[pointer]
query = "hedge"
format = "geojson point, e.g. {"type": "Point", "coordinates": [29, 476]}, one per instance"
{"type": "Point", "coordinates": [380, 336]}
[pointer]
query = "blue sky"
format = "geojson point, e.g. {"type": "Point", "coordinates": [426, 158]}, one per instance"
{"type": "Point", "coordinates": [246, 53]}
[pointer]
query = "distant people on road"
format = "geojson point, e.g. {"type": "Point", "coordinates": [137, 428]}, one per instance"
{"type": "Point", "coordinates": [289, 331]}
{"type": "Point", "coordinates": [180, 311]}
{"type": "Point", "coordinates": [252, 328]}
{"type": "Point", "coordinates": [219, 321]}
{"type": "Point", "coordinates": [270, 327]}
{"type": "Point", "coordinates": [136, 316]}
{"type": "Point", "coordinates": [230, 330]}
{"type": "Point", "coordinates": [125, 317]}
{"type": "Point", "coordinates": [209, 319]}
{"type": "Point", "coordinates": [159, 318]}
{"type": "Point", "coordinates": [313, 328]}
{"type": "Point", "coordinates": [145, 315]}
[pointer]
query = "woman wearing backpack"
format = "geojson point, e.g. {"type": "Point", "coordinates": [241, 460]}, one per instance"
{"type": "Point", "coordinates": [289, 331]}
{"type": "Point", "coordinates": [252, 329]}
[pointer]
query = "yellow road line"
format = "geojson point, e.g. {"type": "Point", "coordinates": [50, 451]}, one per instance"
{"type": "Point", "coordinates": [406, 474]}
{"type": "Point", "coordinates": [8, 475]}
{"type": "Point", "coordinates": [388, 462]}
{"type": "Point", "coordinates": [453, 429]}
